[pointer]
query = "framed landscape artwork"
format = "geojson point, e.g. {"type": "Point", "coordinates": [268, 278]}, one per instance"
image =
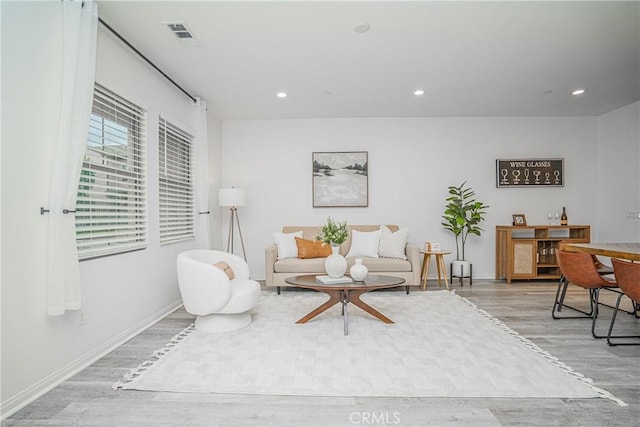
{"type": "Point", "coordinates": [340, 179]}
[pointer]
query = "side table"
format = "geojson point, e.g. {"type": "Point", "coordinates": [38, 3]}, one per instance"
{"type": "Point", "coordinates": [442, 269]}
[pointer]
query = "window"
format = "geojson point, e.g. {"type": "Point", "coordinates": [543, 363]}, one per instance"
{"type": "Point", "coordinates": [111, 213]}
{"type": "Point", "coordinates": [177, 209]}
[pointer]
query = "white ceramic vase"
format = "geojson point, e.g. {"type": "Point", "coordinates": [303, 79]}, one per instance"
{"type": "Point", "coordinates": [460, 268]}
{"type": "Point", "coordinates": [358, 271]}
{"type": "Point", "coordinates": [335, 264]}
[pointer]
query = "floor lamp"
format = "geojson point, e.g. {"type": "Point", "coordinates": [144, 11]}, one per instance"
{"type": "Point", "coordinates": [232, 198]}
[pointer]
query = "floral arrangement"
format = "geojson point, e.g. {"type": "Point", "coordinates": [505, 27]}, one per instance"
{"type": "Point", "coordinates": [333, 233]}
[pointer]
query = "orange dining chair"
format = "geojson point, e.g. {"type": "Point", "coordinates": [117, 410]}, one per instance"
{"type": "Point", "coordinates": [628, 278]}
{"type": "Point", "coordinates": [579, 269]}
{"type": "Point", "coordinates": [563, 284]}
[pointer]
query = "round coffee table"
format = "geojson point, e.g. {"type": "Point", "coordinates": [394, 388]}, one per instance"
{"type": "Point", "coordinates": [346, 293]}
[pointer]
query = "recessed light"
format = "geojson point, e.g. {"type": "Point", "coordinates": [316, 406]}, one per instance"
{"type": "Point", "coordinates": [281, 94]}
{"type": "Point", "coordinates": [578, 92]}
{"type": "Point", "coordinates": [362, 28]}
{"type": "Point", "coordinates": [418, 92]}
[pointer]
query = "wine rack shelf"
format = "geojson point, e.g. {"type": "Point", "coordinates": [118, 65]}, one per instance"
{"type": "Point", "coordinates": [528, 252]}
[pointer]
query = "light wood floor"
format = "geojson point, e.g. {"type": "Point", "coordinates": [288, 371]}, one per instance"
{"type": "Point", "coordinates": [88, 400]}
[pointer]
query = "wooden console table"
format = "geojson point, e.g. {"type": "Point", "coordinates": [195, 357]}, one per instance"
{"type": "Point", "coordinates": [528, 252]}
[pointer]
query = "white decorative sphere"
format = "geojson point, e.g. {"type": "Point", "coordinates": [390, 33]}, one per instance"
{"type": "Point", "coordinates": [358, 271]}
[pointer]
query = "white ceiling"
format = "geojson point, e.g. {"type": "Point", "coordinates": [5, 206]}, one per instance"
{"type": "Point", "coordinates": [471, 58]}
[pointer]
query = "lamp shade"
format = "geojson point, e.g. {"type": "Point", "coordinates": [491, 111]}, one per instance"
{"type": "Point", "coordinates": [232, 197]}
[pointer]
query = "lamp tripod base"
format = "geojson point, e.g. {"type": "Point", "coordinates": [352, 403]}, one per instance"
{"type": "Point", "coordinates": [235, 219]}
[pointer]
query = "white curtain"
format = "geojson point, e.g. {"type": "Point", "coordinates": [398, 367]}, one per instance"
{"type": "Point", "coordinates": [78, 78]}
{"type": "Point", "coordinates": [201, 154]}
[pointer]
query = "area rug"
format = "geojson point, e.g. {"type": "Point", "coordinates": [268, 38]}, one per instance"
{"type": "Point", "coordinates": [441, 345]}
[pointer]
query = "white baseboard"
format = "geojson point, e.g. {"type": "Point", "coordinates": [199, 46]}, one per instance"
{"type": "Point", "coordinates": [22, 399]}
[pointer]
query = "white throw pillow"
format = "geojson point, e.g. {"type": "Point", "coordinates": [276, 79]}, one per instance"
{"type": "Point", "coordinates": [393, 245]}
{"type": "Point", "coordinates": [286, 243]}
{"type": "Point", "coordinates": [364, 243]}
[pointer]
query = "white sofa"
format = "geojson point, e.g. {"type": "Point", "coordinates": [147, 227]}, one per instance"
{"type": "Point", "coordinates": [277, 270]}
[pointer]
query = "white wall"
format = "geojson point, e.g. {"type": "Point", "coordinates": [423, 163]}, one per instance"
{"type": "Point", "coordinates": [30, 101]}
{"type": "Point", "coordinates": [214, 129]}
{"type": "Point", "coordinates": [411, 163]}
{"type": "Point", "coordinates": [619, 175]}
{"type": "Point", "coordinates": [123, 293]}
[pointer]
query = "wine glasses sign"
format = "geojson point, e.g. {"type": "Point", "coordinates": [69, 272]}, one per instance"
{"type": "Point", "coordinates": [529, 172]}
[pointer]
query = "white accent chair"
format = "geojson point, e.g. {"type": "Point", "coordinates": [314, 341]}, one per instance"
{"type": "Point", "coordinates": [220, 304]}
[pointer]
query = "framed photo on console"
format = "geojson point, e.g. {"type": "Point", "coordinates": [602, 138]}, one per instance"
{"type": "Point", "coordinates": [519, 219]}
{"type": "Point", "coordinates": [340, 179]}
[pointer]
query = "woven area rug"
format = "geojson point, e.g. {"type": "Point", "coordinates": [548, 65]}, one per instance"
{"type": "Point", "coordinates": [441, 345]}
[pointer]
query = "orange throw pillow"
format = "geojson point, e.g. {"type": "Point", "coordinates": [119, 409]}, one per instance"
{"type": "Point", "coordinates": [312, 248]}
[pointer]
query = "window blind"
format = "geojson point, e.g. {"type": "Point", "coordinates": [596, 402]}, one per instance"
{"type": "Point", "coordinates": [111, 212]}
{"type": "Point", "coordinates": [177, 207]}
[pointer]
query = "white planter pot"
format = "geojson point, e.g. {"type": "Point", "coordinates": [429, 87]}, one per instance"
{"type": "Point", "coordinates": [335, 264]}
{"type": "Point", "coordinates": [358, 271]}
{"type": "Point", "coordinates": [461, 268]}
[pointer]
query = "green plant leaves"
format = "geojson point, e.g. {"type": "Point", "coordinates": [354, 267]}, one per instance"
{"type": "Point", "coordinates": [462, 215]}
{"type": "Point", "coordinates": [333, 232]}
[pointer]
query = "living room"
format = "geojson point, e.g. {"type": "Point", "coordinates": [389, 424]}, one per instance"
{"type": "Point", "coordinates": [412, 160]}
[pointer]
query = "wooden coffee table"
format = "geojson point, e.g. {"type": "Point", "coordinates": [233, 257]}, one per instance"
{"type": "Point", "coordinates": [346, 293]}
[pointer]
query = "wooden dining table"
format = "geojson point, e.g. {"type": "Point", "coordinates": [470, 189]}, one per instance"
{"type": "Point", "coordinates": [628, 251]}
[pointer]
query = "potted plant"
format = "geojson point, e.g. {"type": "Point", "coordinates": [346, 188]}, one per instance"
{"type": "Point", "coordinates": [335, 234]}
{"type": "Point", "coordinates": [462, 216]}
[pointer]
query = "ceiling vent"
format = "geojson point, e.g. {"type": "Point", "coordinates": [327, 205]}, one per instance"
{"type": "Point", "coordinates": [182, 33]}
{"type": "Point", "coordinates": [179, 30]}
